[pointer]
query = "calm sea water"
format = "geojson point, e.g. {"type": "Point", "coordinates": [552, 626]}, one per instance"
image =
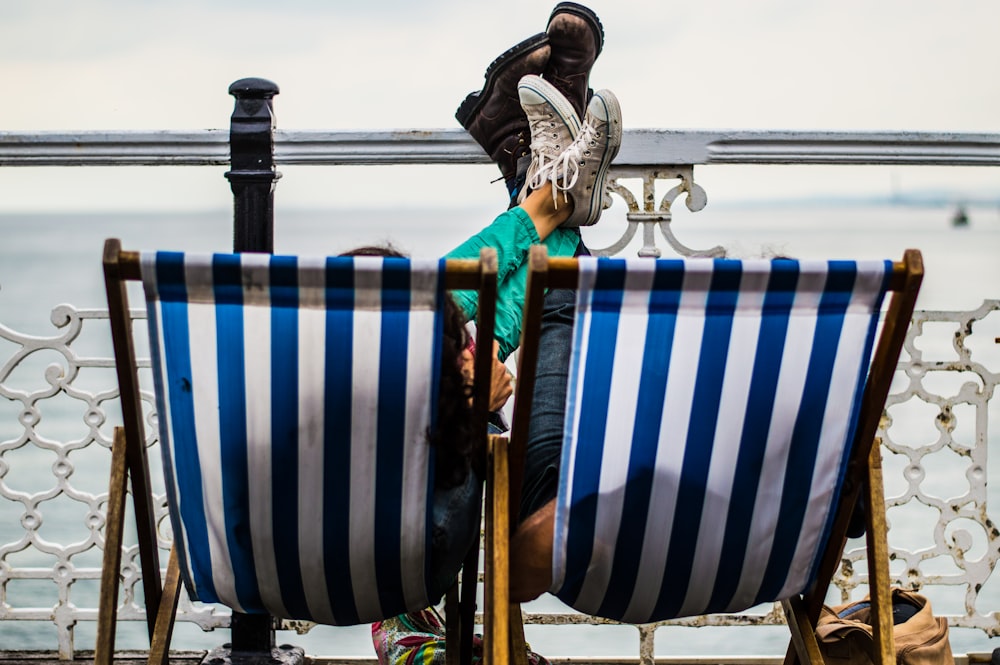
{"type": "Point", "coordinates": [50, 259]}
{"type": "Point", "coordinates": [47, 259]}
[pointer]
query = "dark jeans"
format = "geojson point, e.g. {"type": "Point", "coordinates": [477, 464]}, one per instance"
{"type": "Point", "coordinates": [548, 408]}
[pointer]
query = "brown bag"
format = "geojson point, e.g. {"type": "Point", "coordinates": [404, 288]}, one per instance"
{"type": "Point", "coordinates": [845, 634]}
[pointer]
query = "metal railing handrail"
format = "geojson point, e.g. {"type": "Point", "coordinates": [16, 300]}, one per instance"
{"type": "Point", "coordinates": [640, 147]}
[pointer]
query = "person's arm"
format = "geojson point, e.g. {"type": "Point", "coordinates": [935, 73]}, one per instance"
{"type": "Point", "coordinates": [501, 380]}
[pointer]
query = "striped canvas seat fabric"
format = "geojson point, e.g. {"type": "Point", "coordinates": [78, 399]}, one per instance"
{"type": "Point", "coordinates": [294, 400]}
{"type": "Point", "coordinates": [710, 411]}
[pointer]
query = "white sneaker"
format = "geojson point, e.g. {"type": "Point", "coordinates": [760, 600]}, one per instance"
{"type": "Point", "coordinates": [581, 172]}
{"type": "Point", "coordinates": [554, 125]}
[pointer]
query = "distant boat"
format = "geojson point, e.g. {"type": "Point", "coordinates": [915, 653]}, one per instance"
{"type": "Point", "coordinates": [960, 218]}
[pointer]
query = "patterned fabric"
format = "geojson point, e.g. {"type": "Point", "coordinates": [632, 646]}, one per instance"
{"type": "Point", "coordinates": [710, 412]}
{"type": "Point", "coordinates": [294, 398]}
{"type": "Point", "coordinates": [418, 638]}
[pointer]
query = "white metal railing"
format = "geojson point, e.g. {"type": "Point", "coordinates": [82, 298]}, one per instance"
{"type": "Point", "coordinates": [640, 147]}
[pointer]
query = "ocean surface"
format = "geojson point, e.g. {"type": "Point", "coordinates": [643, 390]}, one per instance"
{"type": "Point", "coordinates": [48, 259]}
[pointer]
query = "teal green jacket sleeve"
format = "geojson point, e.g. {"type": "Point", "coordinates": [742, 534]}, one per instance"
{"type": "Point", "coordinates": [511, 234]}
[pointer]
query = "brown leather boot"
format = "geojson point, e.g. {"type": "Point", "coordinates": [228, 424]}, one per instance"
{"type": "Point", "coordinates": [576, 37]}
{"type": "Point", "coordinates": [493, 115]}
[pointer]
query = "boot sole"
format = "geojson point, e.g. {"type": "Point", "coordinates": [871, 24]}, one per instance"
{"type": "Point", "coordinates": [586, 14]}
{"type": "Point", "coordinates": [475, 100]}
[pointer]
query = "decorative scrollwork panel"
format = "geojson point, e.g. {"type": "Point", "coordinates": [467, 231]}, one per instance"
{"type": "Point", "coordinates": [54, 469]}
{"type": "Point", "coordinates": [650, 211]}
{"type": "Point", "coordinates": [935, 436]}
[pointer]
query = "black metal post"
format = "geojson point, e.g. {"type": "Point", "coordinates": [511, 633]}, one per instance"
{"type": "Point", "coordinates": [252, 178]}
{"type": "Point", "coordinates": [252, 633]}
{"type": "Point", "coordinates": [251, 156]}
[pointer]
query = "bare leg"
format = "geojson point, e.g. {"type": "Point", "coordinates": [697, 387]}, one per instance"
{"type": "Point", "coordinates": [543, 212]}
{"type": "Point", "coordinates": [531, 555]}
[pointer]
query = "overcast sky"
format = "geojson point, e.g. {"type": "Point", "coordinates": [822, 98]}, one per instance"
{"type": "Point", "coordinates": [767, 64]}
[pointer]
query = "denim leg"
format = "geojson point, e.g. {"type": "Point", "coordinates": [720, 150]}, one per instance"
{"type": "Point", "coordinates": [548, 409]}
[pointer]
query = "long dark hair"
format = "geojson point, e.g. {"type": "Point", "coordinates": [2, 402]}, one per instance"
{"type": "Point", "coordinates": [453, 435]}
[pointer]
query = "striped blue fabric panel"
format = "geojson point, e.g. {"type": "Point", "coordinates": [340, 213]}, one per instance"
{"type": "Point", "coordinates": [710, 408]}
{"type": "Point", "coordinates": [294, 399]}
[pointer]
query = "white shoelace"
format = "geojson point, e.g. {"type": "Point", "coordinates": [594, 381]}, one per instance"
{"type": "Point", "coordinates": [564, 170]}
{"type": "Point", "coordinates": [544, 150]}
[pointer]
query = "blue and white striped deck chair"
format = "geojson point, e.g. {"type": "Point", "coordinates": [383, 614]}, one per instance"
{"type": "Point", "coordinates": [294, 398]}
{"type": "Point", "coordinates": [720, 416]}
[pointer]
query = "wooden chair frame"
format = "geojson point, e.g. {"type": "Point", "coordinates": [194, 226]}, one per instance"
{"type": "Point", "coordinates": [503, 625]}
{"type": "Point", "coordinates": [129, 461]}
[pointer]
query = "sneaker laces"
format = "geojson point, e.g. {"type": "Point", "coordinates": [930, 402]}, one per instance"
{"type": "Point", "coordinates": [564, 170]}
{"type": "Point", "coordinates": [543, 148]}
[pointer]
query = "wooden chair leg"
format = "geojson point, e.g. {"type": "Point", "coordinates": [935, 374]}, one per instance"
{"type": "Point", "coordinates": [159, 647]}
{"type": "Point", "coordinates": [132, 417]}
{"type": "Point", "coordinates": [804, 643]}
{"type": "Point", "coordinates": [518, 645]}
{"type": "Point", "coordinates": [107, 612]}
{"type": "Point", "coordinates": [496, 614]}
{"type": "Point", "coordinates": [884, 648]}
{"type": "Point", "coordinates": [452, 626]}
{"type": "Point", "coordinates": [467, 603]}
